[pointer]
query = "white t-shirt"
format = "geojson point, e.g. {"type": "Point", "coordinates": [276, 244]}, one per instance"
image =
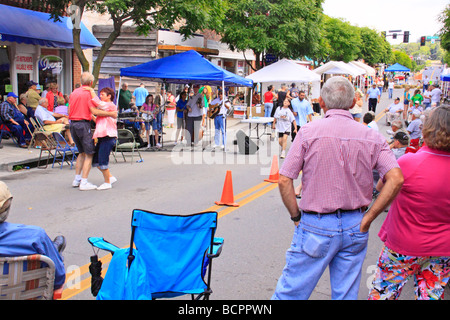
{"type": "Point", "coordinates": [284, 118]}
{"type": "Point", "coordinates": [393, 108]}
{"type": "Point", "coordinates": [373, 125]}
{"type": "Point", "coordinates": [436, 95]}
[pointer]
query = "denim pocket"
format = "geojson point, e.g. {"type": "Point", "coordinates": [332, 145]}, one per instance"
{"type": "Point", "coordinates": [315, 245]}
{"type": "Point", "coordinates": [359, 241]}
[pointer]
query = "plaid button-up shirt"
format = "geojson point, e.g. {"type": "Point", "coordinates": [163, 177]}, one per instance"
{"type": "Point", "coordinates": [337, 156]}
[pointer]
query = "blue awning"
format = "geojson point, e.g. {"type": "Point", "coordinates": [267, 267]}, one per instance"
{"type": "Point", "coordinates": [36, 28]}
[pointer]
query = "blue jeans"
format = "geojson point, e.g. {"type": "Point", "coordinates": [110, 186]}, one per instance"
{"type": "Point", "coordinates": [390, 93]}
{"type": "Point", "coordinates": [102, 151]}
{"type": "Point", "coordinates": [220, 125]}
{"type": "Point", "coordinates": [321, 241]}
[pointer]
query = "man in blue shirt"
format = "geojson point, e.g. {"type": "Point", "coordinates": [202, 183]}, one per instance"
{"type": "Point", "coordinates": [140, 94]}
{"type": "Point", "coordinates": [302, 111]}
{"type": "Point", "coordinates": [23, 240]}
{"type": "Point", "coordinates": [415, 127]}
{"type": "Point", "coordinates": [374, 97]}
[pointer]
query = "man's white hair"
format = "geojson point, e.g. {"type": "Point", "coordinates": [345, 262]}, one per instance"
{"type": "Point", "coordinates": [338, 93]}
{"type": "Point", "coordinates": [86, 78]}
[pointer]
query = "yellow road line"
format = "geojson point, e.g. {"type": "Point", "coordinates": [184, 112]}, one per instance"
{"type": "Point", "coordinates": [86, 283]}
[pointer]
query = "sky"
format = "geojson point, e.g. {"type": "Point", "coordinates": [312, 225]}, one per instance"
{"type": "Point", "coordinates": [419, 17]}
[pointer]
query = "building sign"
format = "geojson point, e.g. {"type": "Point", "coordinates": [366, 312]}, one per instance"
{"type": "Point", "coordinates": [24, 63]}
{"type": "Point", "coordinates": [53, 63]}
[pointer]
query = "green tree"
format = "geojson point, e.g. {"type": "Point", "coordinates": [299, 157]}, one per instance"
{"type": "Point", "coordinates": [374, 48]}
{"type": "Point", "coordinates": [341, 42]}
{"type": "Point", "coordinates": [444, 18]}
{"type": "Point", "coordinates": [285, 28]}
{"type": "Point", "coordinates": [146, 15]}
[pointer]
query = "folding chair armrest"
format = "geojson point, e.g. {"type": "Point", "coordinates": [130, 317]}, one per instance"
{"type": "Point", "coordinates": [57, 294]}
{"type": "Point", "coordinates": [216, 249]}
{"type": "Point", "coordinates": [103, 244]}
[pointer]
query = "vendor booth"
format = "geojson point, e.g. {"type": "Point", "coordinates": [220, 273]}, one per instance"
{"type": "Point", "coordinates": [185, 68]}
{"type": "Point", "coordinates": [286, 71]}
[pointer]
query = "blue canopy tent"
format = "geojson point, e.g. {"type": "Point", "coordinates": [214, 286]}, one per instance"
{"type": "Point", "coordinates": [183, 68]}
{"type": "Point", "coordinates": [36, 28]}
{"type": "Point", "coordinates": [397, 68]}
{"type": "Point", "coordinates": [188, 67]}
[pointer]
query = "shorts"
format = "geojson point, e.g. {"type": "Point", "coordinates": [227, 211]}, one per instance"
{"type": "Point", "coordinates": [281, 134]}
{"type": "Point", "coordinates": [82, 136]}
{"type": "Point", "coordinates": [102, 151]}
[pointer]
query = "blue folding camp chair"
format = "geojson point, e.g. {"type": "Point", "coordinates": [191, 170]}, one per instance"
{"type": "Point", "coordinates": [171, 255]}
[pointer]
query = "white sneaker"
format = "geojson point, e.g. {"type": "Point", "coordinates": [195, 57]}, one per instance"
{"type": "Point", "coordinates": [112, 180]}
{"type": "Point", "coordinates": [105, 186]}
{"type": "Point", "coordinates": [158, 145]}
{"type": "Point", "coordinates": [87, 186]}
{"type": "Point", "coordinates": [283, 154]}
{"type": "Point", "coordinates": [76, 183]}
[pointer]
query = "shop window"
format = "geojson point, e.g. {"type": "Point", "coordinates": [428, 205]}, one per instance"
{"type": "Point", "coordinates": [50, 67]}
{"type": "Point", "coordinates": [5, 77]}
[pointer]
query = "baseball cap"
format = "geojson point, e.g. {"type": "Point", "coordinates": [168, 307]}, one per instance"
{"type": "Point", "coordinates": [417, 101]}
{"type": "Point", "coordinates": [31, 83]}
{"type": "Point", "coordinates": [12, 94]}
{"type": "Point", "coordinates": [402, 137]}
{"type": "Point", "coordinates": [5, 194]}
{"type": "Point", "coordinates": [397, 98]}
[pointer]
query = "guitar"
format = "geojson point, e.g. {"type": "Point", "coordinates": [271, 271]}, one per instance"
{"type": "Point", "coordinates": [214, 110]}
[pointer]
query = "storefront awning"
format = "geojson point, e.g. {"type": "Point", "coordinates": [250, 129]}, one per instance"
{"type": "Point", "coordinates": [36, 28]}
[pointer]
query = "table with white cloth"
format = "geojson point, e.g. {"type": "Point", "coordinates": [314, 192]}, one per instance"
{"type": "Point", "coordinates": [266, 121]}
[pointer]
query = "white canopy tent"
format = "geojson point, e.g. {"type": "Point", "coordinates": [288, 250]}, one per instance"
{"type": "Point", "coordinates": [371, 72]}
{"type": "Point", "coordinates": [286, 71]}
{"type": "Point", "coordinates": [338, 67]}
{"type": "Point", "coordinates": [342, 68]}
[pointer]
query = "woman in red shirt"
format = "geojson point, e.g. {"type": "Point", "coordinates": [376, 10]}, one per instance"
{"type": "Point", "coordinates": [269, 96]}
{"type": "Point", "coordinates": [52, 96]}
{"type": "Point", "coordinates": [416, 231]}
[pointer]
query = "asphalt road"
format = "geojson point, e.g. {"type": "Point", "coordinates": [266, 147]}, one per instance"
{"type": "Point", "coordinates": [257, 233]}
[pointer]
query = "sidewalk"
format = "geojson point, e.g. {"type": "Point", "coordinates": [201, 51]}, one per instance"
{"type": "Point", "coordinates": [12, 156]}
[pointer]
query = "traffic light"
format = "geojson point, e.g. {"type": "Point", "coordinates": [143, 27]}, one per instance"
{"type": "Point", "coordinates": [422, 41]}
{"type": "Point", "coordinates": [406, 37]}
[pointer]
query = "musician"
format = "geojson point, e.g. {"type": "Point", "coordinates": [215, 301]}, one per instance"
{"type": "Point", "coordinates": [195, 107]}
{"type": "Point", "coordinates": [221, 106]}
{"type": "Point", "coordinates": [150, 112]}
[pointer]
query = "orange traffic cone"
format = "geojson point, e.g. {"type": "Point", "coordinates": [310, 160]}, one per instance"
{"type": "Point", "coordinates": [227, 193]}
{"type": "Point", "coordinates": [274, 175]}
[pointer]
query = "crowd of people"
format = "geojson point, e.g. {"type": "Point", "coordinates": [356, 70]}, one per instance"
{"type": "Point", "coordinates": [186, 111]}
{"type": "Point", "coordinates": [335, 151]}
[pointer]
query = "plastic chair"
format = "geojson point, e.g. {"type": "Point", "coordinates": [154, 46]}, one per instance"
{"type": "Point", "coordinates": [125, 143]}
{"type": "Point", "coordinates": [171, 256]}
{"type": "Point", "coordinates": [62, 146]}
{"type": "Point", "coordinates": [28, 278]}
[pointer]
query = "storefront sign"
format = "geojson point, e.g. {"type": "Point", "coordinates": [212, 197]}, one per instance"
{"type": "Point", "coordinates": [24, 63]}
{"type": "Point", "coordinates": [53, 63]}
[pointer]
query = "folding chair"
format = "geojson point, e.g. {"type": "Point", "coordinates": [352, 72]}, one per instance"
{"type": "Point", "coordinates": [47, 143]}
{"type": "Point", "coordinates": [171, 255]}
{"type": "Point", "coordinates": [37, 128]}
{"type": "Point", "coordinates": [62, 146]}
{"type": "Point", "coordinates": [28, 278]}
{"type": "Point", "coordinates": [126, 143]}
